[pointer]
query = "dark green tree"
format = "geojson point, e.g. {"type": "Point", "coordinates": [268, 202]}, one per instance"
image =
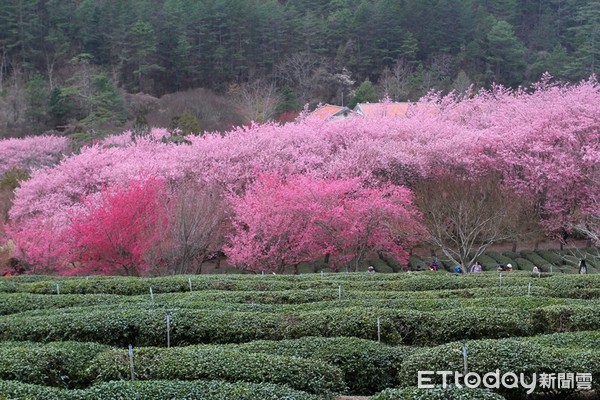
{"type": "Point", "coordinates": [505, 54]}
{"type": "Point", "coordinates": [37, 99]}
{"type": "Point", "coordinates": [287, 101]}
{"type": "Point", "coordinates": [365, 93]}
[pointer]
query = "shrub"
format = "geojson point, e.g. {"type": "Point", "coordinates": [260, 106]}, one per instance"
{"type": "Point", "coordinates": [192, 363]}
{"type": "Point", "coordinates": [562, 318]}
{"type": "Point", "coordinates": [525, 264]}
{"type": "Point", "coordinates": [551, 257]}
{"type": "Point", "coordinates": [488, 263]}
{"type": "Point", "coordinates": [368, 366]}
{"type": "Point", "coordinates": [59, 364]}
{"type": "Point", "coordinates": [507, 355]}
{"type": "Point", "coordinates": [151, 390]}
{"type": "Point", "coordinates": [189, 390]}
{"type": "Point", "coordinates": [536, 260]}
{"type": "Point", "coordinates": [437, 393]}
{"type": "Point", "coordinates": [575, 340]}
{"type": "Point", "coordinates": [17, 390]}
{"type": "Point", "coordinates": [416, 261]}
{"type": "Point", "coordinates": [500, 259]}
{"type": "Point", "coordinates": [140, 326]}
{"type": "Point", "coordinates": [19, 302]}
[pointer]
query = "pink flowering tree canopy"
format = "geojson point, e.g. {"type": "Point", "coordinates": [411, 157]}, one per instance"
{"type": "Point", "coordinates": [282, 222]}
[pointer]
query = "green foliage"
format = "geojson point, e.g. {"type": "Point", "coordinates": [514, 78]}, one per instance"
{"type": "Point", "coordinates": [152, 390]}
{"type": "Point", "coordinates": [61, 107]}
{"type": "Point", "coordinates": [60, 364]}
{"type": "Point", "coordinates": [37, 98]}
{"type": "Point", "coordinates": [550, 257]}
{"type": "Point", "coordinates": [368, 366]}
{"type": "Point", "coordinates": [106, 103]}
{"type": "Point", "coordinates": [583, 340]}
{"type": "Point", "coordinates": [13, 177]}
{"type": "Point", "coordinates": [536, 260]}
{"type": "Point", "coordinates": [365, 93]}
{"type": "Point", "coordinates": [287, 101]}
{"type": "Point", "coordinates": [525, 265]}
{"type": "Point", "coordinates": [488, 263]}
{"type": "Point", "coordinates": [437, 393]}
{"type": "Point", "coordinates": [184, 124]}
{"type": "Point", "coordinates": [191, 363]}
{"type": "Point", "coordinates": [562, 318]}
{"type": "Point", "coordinates": [508, 355]}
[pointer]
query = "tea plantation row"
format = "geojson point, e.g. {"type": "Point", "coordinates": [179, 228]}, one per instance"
{"type": "Point", "coordinates": [291, 337]}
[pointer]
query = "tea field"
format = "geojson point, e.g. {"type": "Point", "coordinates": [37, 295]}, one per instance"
{"type": "Point", "coordinates": [310, 336]}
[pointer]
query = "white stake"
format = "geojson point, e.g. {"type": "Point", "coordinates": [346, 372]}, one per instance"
{"type": "Point", "coordinates": [340, 292]}
{"type": "Point", "coordinates": [168, 330]}
{"type": "Point", "coordinates": [465, 359]}
{"type": "Point", "coordinates": [529, 289]}
{"type": "Point", "coordinates": [131, 362]}
{"type": "Point", "coordinates": [57, 288]}
{"type": "Point", "coordinates": [190, 282]}
{"type": "Point", "coordinates": [151, 295]}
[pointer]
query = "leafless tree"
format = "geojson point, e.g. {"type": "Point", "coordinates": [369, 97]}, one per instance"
{"type": "Point", "coordinates": [197, 219]}
{"type": "Point", "coordinates": [309, 75]}
{"type": "Point", "coordinates": [395, 82]}
{"type": "Point", "coordinates": [464, 217]}
{"type": "Point", "coordinates": [257, 100]}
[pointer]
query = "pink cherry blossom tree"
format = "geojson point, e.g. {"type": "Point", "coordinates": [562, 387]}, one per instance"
{"type": "Point", "coordinates": [286, 221]}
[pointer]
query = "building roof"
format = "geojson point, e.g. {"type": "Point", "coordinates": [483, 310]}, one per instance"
{"type": "Point", "coordinates": [388, 109]}
{"type": "Point", "coordinates": [328, 111]}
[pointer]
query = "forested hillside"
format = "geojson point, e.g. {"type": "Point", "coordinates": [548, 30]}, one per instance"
{"type": "Point", "coordinates": [65, 61]}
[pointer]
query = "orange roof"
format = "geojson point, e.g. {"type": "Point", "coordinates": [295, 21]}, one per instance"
{"type": "Point", "coordinates": [328, 111]}
{"type": "Point", "coordinates": [382, 109]}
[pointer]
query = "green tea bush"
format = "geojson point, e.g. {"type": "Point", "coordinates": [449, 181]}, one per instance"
{"type": "Point", "coordinates": [437, 393]}
{"type": "Point", "coordinates": [565, 318]}
{"type": "Point", "coordinates": [19, 302]}
{"type": "Point", "coordinates": [525, 265]}
{"type": "Point", "coordinates": [59, 364]}
{"type": "Point", "coordinates": [488, 263]}
{"type": "Point", "coordinates": [368, 366]}
{"type": "Point", "coordinates": [511, 255]}
{"type": "Point", "coordinates": [192, 363]}
{"type": "Point", "coordinates": [550, 257]}
{"type": "Point", "coordinates": [536, 259]}
{"type": "Point", "coordinates": [191, 390]}
{"type": "Point", "coordinates": [484, 356]}
{"type": "Point", "coordinates": [14, 390]}
{"type": "Point", "coordinates": [146, 326]}
{"type": "Point", "coordinates": [500, 258]}
{"type": "Point", "coordinates": [572, 285]}
{"type": "Point", "coordinates": [152, 390]}
{"type": "Point", "coordinates": [583, 340]}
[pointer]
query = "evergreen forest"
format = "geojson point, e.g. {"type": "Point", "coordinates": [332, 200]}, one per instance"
{"type": "Point", "coordinates": [197, 65]}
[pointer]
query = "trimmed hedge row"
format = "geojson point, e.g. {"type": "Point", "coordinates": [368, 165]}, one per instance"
{"type": "Point", "coordinates": [356, 281]}
{"type": "Point", "coordinates": [120, 326]}
{"type": "Point", "coordinates": [59, 364]}
{"type": "Point", "coordinates": [11, 303]}
{"type": "Point", "coordinates": [582, 340]}
{"type": "Point", "coordinates": [192, 363]}
{"type": "Point", "coordinates": [437, 393]}
{"type": "Point", "coordinates": [505, 355]}
{"type": "Point", "coordinates": [152, 390]}
{"type": "Point", "coordinates": [307, 300]}
{"type": "Point", "coordinates": [368, 366]}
